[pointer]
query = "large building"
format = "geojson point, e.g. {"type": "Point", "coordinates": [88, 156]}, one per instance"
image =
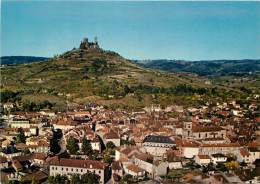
{"type": "Point", "coordinates": [158, 145]}
{"type": "Point", "coordinates": [69, 167]}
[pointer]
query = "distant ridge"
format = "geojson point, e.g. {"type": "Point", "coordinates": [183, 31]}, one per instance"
{"type": "Point", "coordinates": [206, 67]}
{"type": "Point", "coordinates": [10, 60]}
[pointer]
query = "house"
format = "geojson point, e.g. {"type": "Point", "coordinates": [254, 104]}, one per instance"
{"type": "Point", "coordinates": [157, 145]}
{"type": "Point", "coordinates": [65, 124]}
{"type": "Point", "coordinates": [3, 163]}
{"type": "Point", "coordinates": [17, 165]}
{"type": "Point", "coordinates": [225, 148]}
{"type": "Point", "coordinates": [188, 148]}
{"type": "Point", "coordinates": [18, 122]}
{"type": "Point", "coordinates": [39, 176]}
{"type": "Point", "coordinates": [38, 145]}
{"type": "Point", "coordinates": [68, 167]}
{"type": "Point", "coordinates": [113, 137]}
{"type": "Point", "coordinates": [117, 168]}
{"type": "Point", "coordinates": [202, 159]}
{"type": "Point", "coordinates": [174, 159]}
{"type": "Point", "coordinates": [206, 132]}
{"type": "Point", "coordinates": [153, 167]}
{"type": "Point", "coordinates": [243, 155]}
{"type": "Point", "coordinates": [218, 158]}
{"type": "Point", "coordinates": [128, 152]}
{"type": "Point", "coordinates": [226, 178]}
{"type": "Point", "coordinates": [82, 132]}
{"type": "Point", "coordinates": [254, 153]}
{"type": "Point", "coordinates": [8, 105]}
{"type": "Point", "coordinates": [38, 158]}
{"type": "Point", "coordinates": [135, 171]}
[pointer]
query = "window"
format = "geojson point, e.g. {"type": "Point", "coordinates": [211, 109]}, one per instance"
{"type": "Point", "coordinates": [71, 169]}
{"type": "Point", "coordinates": [66, 169]}
{"type": "Point", "coordinates": [62, 168]}
{"type": "Point", "coordinates": [77, 170]}
{"type": "Point", "coordinates": [81, 170]}
{"type": "Point", "coordinates": [99, 172]}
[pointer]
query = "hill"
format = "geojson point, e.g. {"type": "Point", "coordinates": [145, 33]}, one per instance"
{"type": "Point", "coordinates": [10, 60]}
{"type": "Point", "coordinates": [91, 74]}
{"type": "Point", "coordinates": [207, 68]}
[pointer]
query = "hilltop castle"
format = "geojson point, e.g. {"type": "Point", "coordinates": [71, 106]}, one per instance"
{"type": "Point", "coordinates": [85, 44]}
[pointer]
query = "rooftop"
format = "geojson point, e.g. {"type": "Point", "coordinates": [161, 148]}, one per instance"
{"type": "Point", "coordinates": [158, 139]}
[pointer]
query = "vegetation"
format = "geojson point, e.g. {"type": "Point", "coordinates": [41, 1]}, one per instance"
{"type": "Point", "coordinates": [21, 137]}
{"type": "Point", "coordinates": [209, 68]}
{"type": "Point", "coordinates": [72, 145]}
{"type": "Point", "coordinates": [88, 178]}
{"type": "Point", "coordinates": [9, 60]}
{"type": "Point", "coordinates": [86, 147]}
{"type": "Point", "coordinates": [108, 79]}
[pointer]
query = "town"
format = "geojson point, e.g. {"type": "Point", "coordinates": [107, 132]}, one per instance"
{"type": "Point", "coordinates": [129, 92]}
{"type": "Point", "coordinates": [213, 143]}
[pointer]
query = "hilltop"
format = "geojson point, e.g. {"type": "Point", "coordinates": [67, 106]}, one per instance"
{"type": "Point", "coordinates": [90, 74]}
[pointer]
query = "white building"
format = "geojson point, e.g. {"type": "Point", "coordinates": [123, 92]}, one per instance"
{"type": "Point", "coordinates": [218, 158]}
{"type": "Point", "coordinates": [157, 145]}
{"type": "Point", "coordinates": [19, 123]}
{"type": "Point", "coordinates": [69, 167]}
{"type": "Point", "coordinates": [111, 137]}
{"type": "Point", "coordinates": [202, 159]}
{"type": "Point", "coordinates": [135, 171]}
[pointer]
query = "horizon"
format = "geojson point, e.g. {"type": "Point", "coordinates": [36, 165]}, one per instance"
{"type": "Point", "coordinates": [190, 31]}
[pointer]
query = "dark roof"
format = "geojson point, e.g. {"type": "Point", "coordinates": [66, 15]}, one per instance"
{"type": "Point", "coordinates": [158, 139]}
{"type": "Point", "coordinates": [218, 155]}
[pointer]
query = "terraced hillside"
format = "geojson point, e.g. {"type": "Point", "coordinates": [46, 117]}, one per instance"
{"type": "Point", "coordinates": [94, 75]}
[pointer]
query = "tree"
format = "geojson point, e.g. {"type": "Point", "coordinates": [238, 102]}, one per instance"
{"type": "Point", "coordinates": [108, 159]}
{"type": "Point", "coordinates": [51, 180]}
{"type": "Point", "coordinates": [86, 147]}
{"type": "Point", "coordinates": [72, 145]}
{"type": "Point", "coordinates": [75, 179]}
{"type": "Point", "coordinates": [232, 165]}
{"type": "Point", "coordinates": [90, 178]}
{"type": "Point", "coordinates": [21, 137]}
{"type": "Point", "coordinates": [34, 181]}
{"type": "Point", "coordinates": [110, 145]}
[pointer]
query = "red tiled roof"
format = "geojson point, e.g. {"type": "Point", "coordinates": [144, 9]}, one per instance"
{"type": "Point", "coordinates": [204, 156]}
{"type": "Point", "coordinates": [3, 159]}
{"type": "Point", "coordinates": [80, 163]}
{"type": "Point", "coordinates": [134, 168]}
{"type": "Point", "coordinates": [145, 157]}
{"type": "Point", "coordinates": [111, 135]}
{"type": "Point", "coordinates": [244, 152]}
{"type": "Point", "coordinates": [206, 129]}
{"type": "Point", "coordinates": [221, 145]}
{"type": "Point", "coordinates": [39, 156]}
{"type": "Point", "coordinates": [116, 166]}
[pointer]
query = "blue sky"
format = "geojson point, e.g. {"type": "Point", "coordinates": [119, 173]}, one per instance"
{"type": "Point", "coordinates": [136, 30]}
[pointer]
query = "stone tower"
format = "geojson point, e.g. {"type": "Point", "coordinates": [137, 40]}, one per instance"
{"type": "Point", "coordinates": [84, 44]}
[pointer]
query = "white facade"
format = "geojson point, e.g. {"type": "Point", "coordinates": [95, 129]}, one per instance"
{"type": "Point", "coordinates": [189, 152]}
{"type": "Point", "coordinates": [202, 161]}
{"type": "Point", "coordinates": [115, 141]}
{"type": "Point", "coordinates": [69, 170]}
{"type": "Point", "coordinates": [218, 159]}
{"type": "Point", "coordinates": [175, 165]}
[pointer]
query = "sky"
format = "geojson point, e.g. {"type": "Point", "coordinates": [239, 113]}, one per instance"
{"type": "Point", "coordinates": [136, 30]}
